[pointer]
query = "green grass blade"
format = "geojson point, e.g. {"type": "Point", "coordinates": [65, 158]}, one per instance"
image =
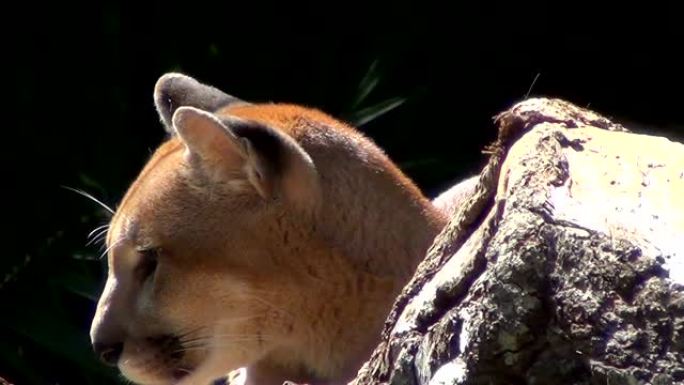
{"type": "Point", "coordinates": [368, 83]}
{"type": "Point", "coordinates": [365, 115]}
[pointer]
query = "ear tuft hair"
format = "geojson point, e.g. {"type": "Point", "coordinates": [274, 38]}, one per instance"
{"type": "Point", "coordinates": [174, 90]}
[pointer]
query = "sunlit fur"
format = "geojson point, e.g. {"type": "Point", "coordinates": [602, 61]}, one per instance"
{"type": "Point", "coordinates": [243, 281]}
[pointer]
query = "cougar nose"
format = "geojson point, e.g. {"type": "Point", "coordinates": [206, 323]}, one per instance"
{"type": "Point", "coordinates": [108, 353]}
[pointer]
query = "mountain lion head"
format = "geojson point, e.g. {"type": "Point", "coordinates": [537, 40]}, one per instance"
{"type": "Point", "coordinates": [270, 237]}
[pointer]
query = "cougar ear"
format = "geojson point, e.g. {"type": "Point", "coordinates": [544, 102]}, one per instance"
{"type": "Point", "coordinates": [174, 90]}
{"type": "Point", "coordinates": [273, 163]}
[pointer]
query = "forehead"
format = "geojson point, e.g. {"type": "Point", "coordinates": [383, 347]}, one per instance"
{"type": "Point", "coordinates": [155, 178]}
{"type": "Point", "coordinates": [157, 169]}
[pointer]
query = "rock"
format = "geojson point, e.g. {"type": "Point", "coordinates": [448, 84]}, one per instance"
{"type": "Point", "coordinates": [565, 266]}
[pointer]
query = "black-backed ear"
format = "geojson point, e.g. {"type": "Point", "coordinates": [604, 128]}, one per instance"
{"type": "Point", "coordinates": [273, 163]}
{"type": "Point", "coordinates": [174, 90]}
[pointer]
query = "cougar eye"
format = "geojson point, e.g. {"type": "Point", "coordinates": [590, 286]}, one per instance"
{"type": "Point", "coordinates": [148, 261]}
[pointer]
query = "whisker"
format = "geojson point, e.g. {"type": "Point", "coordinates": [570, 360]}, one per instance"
{"type": "Point", "coordinates": [230, 344]}
{"type": "Point", "coordinates": [102, 239]}
{"type": "Point", "coordinates": [228, 321]}
{"type": "Point", "coordinates": [103, 236]}
{"type": "Point", "coordinates": [109, 248]}
{"type": "Point", "coordinates": [240, 335]}
{"type": "Point", "coordinates": [97, 229]}
{"type": "Point", "coordinates": [208, 340]}
{"type": "Point", "coordinates": [92, 198]}
{"type": "Point", "coordinates": [529, 90]}
{"type": "Point", "coordinates": [183, 334]}
{"type": "Point", "coordinates": [257, 295]}
{"type": "Point", "coordinates": [228, 335]}
{"type": "Point", "coordinates": [261, 292]}
{"type": "Point", "coordinates": [98, 238]}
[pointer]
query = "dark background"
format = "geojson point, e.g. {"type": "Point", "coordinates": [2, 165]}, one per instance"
{"type": "Point", "coordinates": [80, 111]}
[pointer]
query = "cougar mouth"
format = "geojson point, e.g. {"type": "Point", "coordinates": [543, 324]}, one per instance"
{"type": "Point", "coordinates": [155, 360]}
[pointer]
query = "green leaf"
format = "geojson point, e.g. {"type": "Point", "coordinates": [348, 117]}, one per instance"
{"type": "Point", "coordinates": [365, 115]}
{"type": "Point", "coordinates": [90, 183]}
{"type": "Point", "coordinates": [368, 83]}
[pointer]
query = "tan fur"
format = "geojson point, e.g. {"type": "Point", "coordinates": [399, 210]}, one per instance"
{"type": "Point", "coordinates": [292, 282]}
